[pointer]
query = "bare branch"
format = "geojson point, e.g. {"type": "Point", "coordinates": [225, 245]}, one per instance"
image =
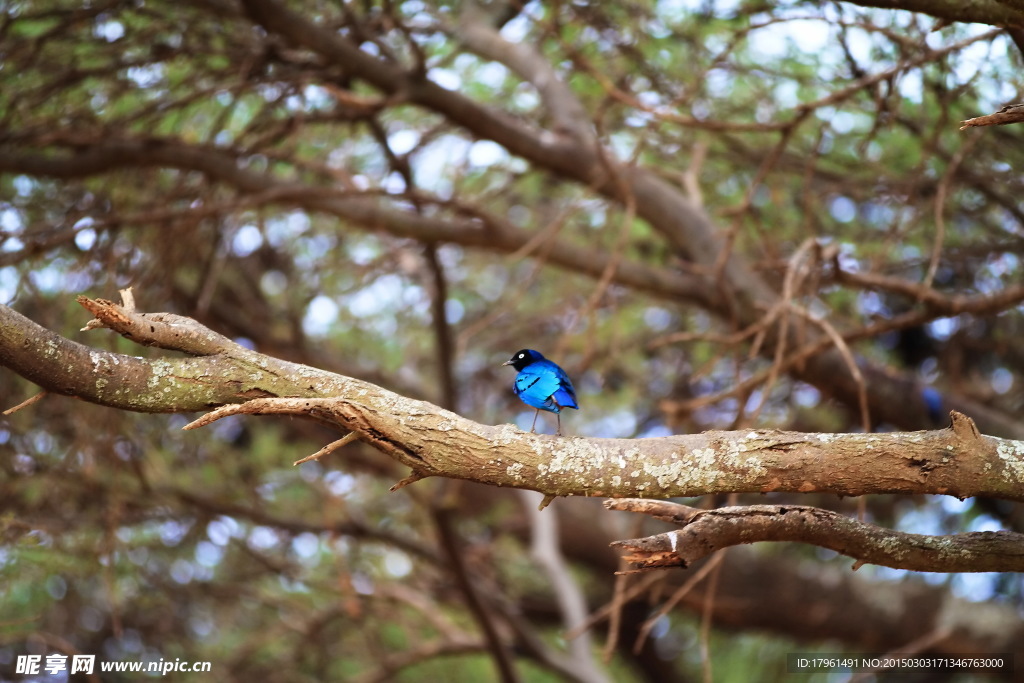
{"type": "Point", "coordinates": [704, 532]}
{"type": "Point", "coordinates": [955, 461]}
{"type": "Point", "coordinates": [1013, 113]}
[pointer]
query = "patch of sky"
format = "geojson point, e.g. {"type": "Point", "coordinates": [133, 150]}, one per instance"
{"type": "Point", "coordinates": [85, 238]}
{"type": "Point", "coordinates": [306, 545]}
{"type": "Point", "coordinates": [182, 572]}
{"type": "Point", "coordinates": [312, 250]}
{"type": "Point", "coordinates": [843, 209]}
{"type": "Point", "coordinates": [454, 311]}
{"type": "Point", "coordinates": [910, 86]}
{"type": "Point", "coordinates": [340, 484]}
{"type": "Point", "coordinates": [976, 587]}
{"type": "Point", "coordinates": [778, 39]}
{"type": "Point", "coordinates": [397, 564]}
{"type": "Point", "coordinates": [650, 99]}
{"type": "Point", "coordinates": [806, 396]}
{"type": "Point", "coordinates": [311, 471]}
{"type": "Point", "coordinates": [393, 183]}
{"type": "Point", "coordinates": [446, 78]}
{"type": "Point", "coordinates": [943, 328]}
{"type": "Point", "coordinates": [718, 83]}
{"type": "Point", "coordinates": [1004, 264]}
{"type": "Point", "coordinates": [877, 215]}
{"type": "Point", "coordinates": [844, 122]}
{"type": "Point", "coordinates": [246, 240]}
{"type": "Point", "coordinates": [12, 244]}
{"type": "Point", "coordinates": [924, 520]}
{"type": "Point", "coordinates": [317, 97]}
{"type": "Point", "coordinates": [787, 94]}
{"type": "Point", "coordinates": [484, 153]}
{"type": "Point", "coordinates": [382, 294]}
{"type": "Point", "coordinates": [888, 573]}
{"type": "Point", "coordinates": [222, 529]}
{"type": "Point", "coordinates": [657, 319]}
{"type": "Point", "coordinates": [172, 533]}
{"type": "Point", "coordinates": [1002, 380]}
{"type": "Point", "coordinates": [362, 252]}
{"type": "Point", "coordinates": [637, 119]}
{"type": "Point", "coordinates": [10, 219]}
{"type": "Point", "coordinates": [492, 74]}
{"type": "Point", "coordinates": [52, 278]}
{"type": "Point", "coordinates": [525, 97]}
{"type": "Point", "coordinates": [23, 185]}
{"type": "Point", "coordinates": [871, 304]}
{"type": "Point", "coordinates": [517, 29]}
{"type": "Point", "coordinates": [273, 283]}
{"type": "Point", "coordinates": [262, 538]}
{"type": "Point", "coordinates": [403, 141]}
{"type": "Point", "coordinates": [269, 91]}
{"type": "Point", "coordinates": [955, 506]}
{"type": "Point", "coordinates": [984, 523]}
{"type": "Point", "coordinates": [208, 554]}
{"type": "Point", "coordinates": [108, 29]}
{"type": "Point", "coordinates": [321, 314]}
{"type": "Point", "coordinates": [655, 431]}
{"type": "Point", "coordinates": [146, 76]}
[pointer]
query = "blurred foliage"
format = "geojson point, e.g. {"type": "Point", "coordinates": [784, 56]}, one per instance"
{"type": "Point", "coordinates": [123, 537]}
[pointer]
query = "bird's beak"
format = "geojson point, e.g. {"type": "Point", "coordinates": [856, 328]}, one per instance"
{"type": "Point", "coordinates": [508, 362]}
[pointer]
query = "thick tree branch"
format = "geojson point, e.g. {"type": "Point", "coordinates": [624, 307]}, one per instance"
{"type": "Point", "coordinates": [990, 12]}
{"type": "Point", "coordinates": [228, 373]}
{"type": "Point", "coordinates": [704, 532]}
{"type": "Point", "coordinates": [434, 442]}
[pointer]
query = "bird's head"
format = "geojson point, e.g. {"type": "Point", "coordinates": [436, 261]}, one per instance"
{"type": "Point", "coordinates": [521, 359]}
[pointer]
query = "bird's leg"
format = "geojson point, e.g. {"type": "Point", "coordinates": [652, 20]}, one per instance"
{"type": "Point", "coordinates": [533, 427]}
{"type": "Point", "coordinates": [559, 416]}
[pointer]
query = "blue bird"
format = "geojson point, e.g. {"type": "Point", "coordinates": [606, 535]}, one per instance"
{"type": "Point", "coordinates": [541, 384]}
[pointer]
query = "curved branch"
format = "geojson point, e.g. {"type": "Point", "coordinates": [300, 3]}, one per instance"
{"type": "Point", "coordinates": [704, 532]}
{"type": "Point", "coordinates": [431, 441]}
{"type": "Point", "coordinates": [229, 374]}
{"type": "Point", "coordinates": [992, 12]}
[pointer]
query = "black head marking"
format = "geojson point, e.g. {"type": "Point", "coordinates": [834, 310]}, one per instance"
{"type": "Point", "coordinates": [523, 358]}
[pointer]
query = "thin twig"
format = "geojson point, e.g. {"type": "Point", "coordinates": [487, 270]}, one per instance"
{"type": "Point", "coordinates": [25, 404]}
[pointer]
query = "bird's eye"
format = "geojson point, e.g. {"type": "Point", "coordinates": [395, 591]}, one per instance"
{"type": "Point", "coordinates": [522, 355]}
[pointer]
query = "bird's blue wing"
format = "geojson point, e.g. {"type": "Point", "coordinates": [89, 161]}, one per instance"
{"type": "Point", "coordinates": [544, 385]}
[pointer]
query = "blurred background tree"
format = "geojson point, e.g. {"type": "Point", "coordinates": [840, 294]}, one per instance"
{"type": "Point", "coordinates": [686, 204]}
